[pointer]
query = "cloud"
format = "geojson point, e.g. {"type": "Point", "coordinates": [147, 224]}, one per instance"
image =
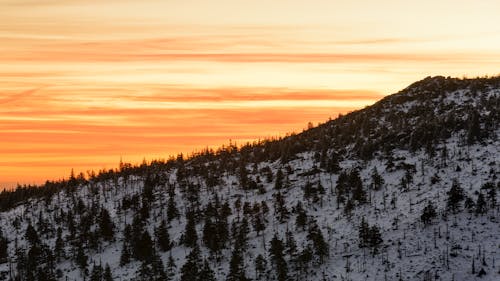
{"type": "Point", "coordinates": [18, 96]}
{"type": "Point", "coordinates": [55, 127]}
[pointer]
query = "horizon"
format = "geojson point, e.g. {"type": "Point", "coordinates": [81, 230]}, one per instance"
{"type": "Point", "coordinates": [85, 84]}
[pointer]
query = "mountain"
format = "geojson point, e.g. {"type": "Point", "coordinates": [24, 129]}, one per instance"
{"type": "Point", "coordinates": [404, 189]}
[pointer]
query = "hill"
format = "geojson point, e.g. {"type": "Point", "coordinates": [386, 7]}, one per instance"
{"type": "Point", "coordinates": [404, 189]}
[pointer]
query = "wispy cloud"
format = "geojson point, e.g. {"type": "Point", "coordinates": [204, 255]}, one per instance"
{"type": "Point", "coordinates": [21, 95]}
{"type": "Point", "coordinates": [85, 82]}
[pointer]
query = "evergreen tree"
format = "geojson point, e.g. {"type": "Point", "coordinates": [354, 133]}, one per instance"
{"type": "Point", "coordinates": [163, 237]}
{"type": "Point", "coordinates": [222, 230]}
{"type": "Point", "coordinates": [144, 272]}
{"type": "Point", "coordinates": [455, 196]}
{"type": "Point", "coordinates": [143, 249]}
{"type": "Point", "coordinates": [106, 225]}
{"type": "Point", "coordinates": [243, 175]}
{"type": "Point", "coordinates": [125, 254]}
{"type": "Point", "coordinates": [291, 244]}
{"type": "Point", "coordinates": [210, 238]}
{"type": "Point", "coordinates": [319, 244]}
{"type": "Point", "coordinates": [59, 247]}
{"type": "Point", "coordinates": [377, 179]}
{"type": "Point", "coordinates": [236, 267]}
{"type": "Point", "coordinates": [428, 213]}
{"type": "Point", "coordinates": [242, 235]}
{"type": "Point", "coordinates": [190, 270]}
{"type": "Point", "coordinates": [4, 246]}
{"type": "Point", "coordinates": [492, 194]}
{"type": "Point", "coordinates": [172, 212]}
{"type": "Point", "coordinates": [349, 206]}
{"type": "Point", "coordinates": [474, 128]}
{"type": "Point", "coordinates": [260, 267]}
{"type": "Point", "coordinates": [206, 273]}
{"type": "Point", "coordinates": [341, 188]}
{"type": "Point", "coordinates": [81, 258]}
{"type": "Point", "coordinates": [107, 276]}
{"type": "Point", "coordinates": [259, 223]}
{"type": "Point", "coordinates": [469, 204]}
{"type": "Point", "coordinates": [364, 233]}
{"type": "Point", "coordinates": [190, 237]}
{"type": "Point", "coordinates": [171, 268]}
{"type": "Point", "coordinates": [276, 251]}
{"type": "Point", "coordinates": [375, 239]}
{"type": "Point", "coordinates": [96, 273]}
{"type": "Point", "coordinates": [279, 180]}
{"type": "Point", "coordinates": [481, 206]}
{"type": "Point", "coordinates": [301, 219]}
{"type": "Point", "coordinates": [31, 235]}
{"type": "Point", "coordinates": [304, 259]}
{"type": "Point", "coordinates": [356, 185]}
{"type": "Point", "coordinates": [280, 208]}
{"type": "Point", "coordinates": [157, 268]}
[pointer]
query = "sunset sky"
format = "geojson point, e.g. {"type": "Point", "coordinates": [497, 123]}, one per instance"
{"type": "Point", "coordinates": [84, 83]}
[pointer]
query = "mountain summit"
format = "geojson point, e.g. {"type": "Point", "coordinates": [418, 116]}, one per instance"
{"type": "Point", "coordinates": [405, 189]}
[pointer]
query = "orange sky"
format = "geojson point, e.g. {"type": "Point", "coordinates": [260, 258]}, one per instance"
{"type": "Point", "coordinates": [85, 82]}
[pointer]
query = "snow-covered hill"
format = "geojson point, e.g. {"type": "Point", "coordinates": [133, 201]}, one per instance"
{"type": "Point", "coordinates": [401, 190]}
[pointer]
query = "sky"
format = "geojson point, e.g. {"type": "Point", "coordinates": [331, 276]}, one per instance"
{"type": "Point", "coordinates": [85, 83]}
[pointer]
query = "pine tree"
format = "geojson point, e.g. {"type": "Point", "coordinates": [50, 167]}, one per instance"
{"type": "Point", "coordinates": [171, 268]}
{"type": "Point", "coordinates": [97, 273]}
{"type": "Point", "coordinates": [377, 179]}
{"type": "Point", "coordinates": [349, 206]}
{"type": "Point", "coordinates": [163, 237]}
{"type": "Point", "coordinates": [59, 247]}
{"type": "Point", "coordinates": [341, 188]}
{"type": "Point", "coordinates": [455, 196]}
{"type": "Point", "coordinates": [279, 180]}
{"type": "Point", "coordinates": [428, 213]}
{"type": "Point", "coordinates": [206, 273]}
{"type": "Point", "coordinates": [144, 272]}
{"type": "Point", "coordinates": [301, 219]}
{"type": "Point", "coordinates": [364, 233]}
{"type": "Point", "coordinates": [304, 259]}
{"type": "Point", "coordinates": [106, 225]}
{"type": "Point", "coordinates": [4, 246]}
{"type": "Point", "coordinates": [172, 212]}
{"type": "Point", "coordinates": [190, 237]}
{"type": "Point", "coordinates": [144, 247]}
{"type": "Point", "coordinates": [492, 194]}
{"type": "Point", "coordinates": [474, 128]}
{"type": "Point", "coordinates": [277, 257]}
{"type": "Point", "coordinates": [291, 244]}
{"type": "Point", "coordinates": [32, 235]}
{"type": "Point", "coordinates": [319, 244]}
{"type": "Point", "coordinates": [356, 185]}
{"type": "Point", "coordinates": [125, 254]}
{"type": "Point", "coordinates": [259, 223]}
{"type": "Point", "coordinates": [222, 230]}
{"type": "Point", "coordinates": [107, 276]}
{"type": "Point", "coordinates": [236, 266]}
{"type": "Point", "coordinates": [210, 238]}
{"type": "Point", "coordinates": [243, 175]}
{"type": "Point", "coordinates": [481, 206]}
{"type": "Point", "coordinates": [242, 235]}
{"type": "Point", "coordinates": [469, 204]}
{"type": "Point", "coordinates": [157, 268]}
{"type": "Point", "coordinates": [260, 267]}
{"type": "Point", "coordinates": [190, 270]}
{"type": "Point", "coordinates": [280, 208]}
{"type": "Point", "coordinates": [375, 239]}
{"type": "Point", "coordinates": [81, 258]}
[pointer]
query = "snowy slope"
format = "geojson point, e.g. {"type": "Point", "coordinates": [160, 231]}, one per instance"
{"type": "Point", "coordinates": [446, 249]}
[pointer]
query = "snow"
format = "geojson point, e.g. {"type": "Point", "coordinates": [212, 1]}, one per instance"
{"type": "Point", "coordinates": [409, 248]}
